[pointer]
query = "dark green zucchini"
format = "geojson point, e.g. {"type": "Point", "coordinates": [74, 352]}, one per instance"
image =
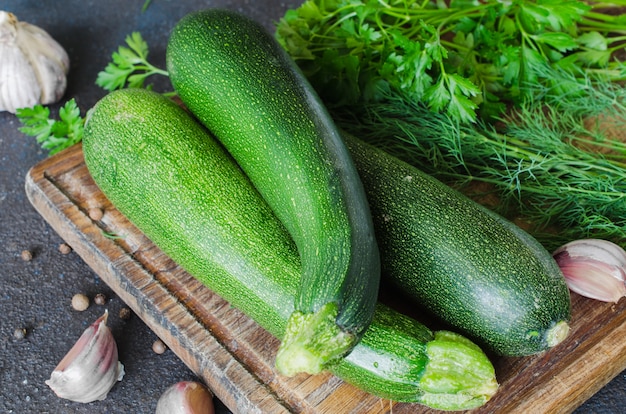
{"type": "Point", "coordinates": [236, 79]}
{"type": "Point", "coordinates": [169, 177]}
{"type": "Point", "coordinates": [478, 272]}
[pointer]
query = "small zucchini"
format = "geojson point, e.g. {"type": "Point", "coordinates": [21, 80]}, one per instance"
{"type": "Point", "coordinates": [468, 266]}
{"type": "Point", "coordinates": [175, 182]}
{"type": "Point", "coordinates": [236, 79]}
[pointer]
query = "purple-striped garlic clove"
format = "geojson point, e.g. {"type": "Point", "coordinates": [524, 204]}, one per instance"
{"type": "Point", "coordinates": [90, 368]}
{"type": "Point", "coordinates": [594, 268]}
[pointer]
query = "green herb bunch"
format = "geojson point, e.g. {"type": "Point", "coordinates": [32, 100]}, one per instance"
{"type": "Point", "coordinates": [458, 57]}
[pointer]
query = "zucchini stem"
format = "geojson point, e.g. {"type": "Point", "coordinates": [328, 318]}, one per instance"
{"type": "Point", "coordinates": [557, 334]}
{"type": "Point", "coordinates": [312, 341]}
{"type": "Point", "coordinates": [458, 376]}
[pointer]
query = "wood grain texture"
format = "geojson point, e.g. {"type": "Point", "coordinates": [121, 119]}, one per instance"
{"type": "Point", "coordinates": [235, 356]}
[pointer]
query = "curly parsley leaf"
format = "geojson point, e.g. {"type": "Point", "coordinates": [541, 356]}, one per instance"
{"type": "Point", "coordinates": [129, 66]}
{"type": "Point", "coordinates": [53, 135]}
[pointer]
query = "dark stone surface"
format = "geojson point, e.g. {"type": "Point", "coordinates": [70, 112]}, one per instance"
{"type": "Point", "coordinates": [36, 295]}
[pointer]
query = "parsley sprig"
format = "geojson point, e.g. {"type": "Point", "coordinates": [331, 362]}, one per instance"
{"type": "Point", "coordinates": [52, 134]}
{"type": "Point", "coordinates": [462, 57]}
{"type": "Point", "coordinates": [129, 66]}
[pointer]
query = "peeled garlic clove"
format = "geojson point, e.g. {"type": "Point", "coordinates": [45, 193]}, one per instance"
{"type": "Point", "coordinates": [33, 66]}
{"type": "Point", "coordinates": [186, 397]}
{"type": "Point", "coordinates": [91, 368]}
{"type": "Point", "coordinates": [594, 268]}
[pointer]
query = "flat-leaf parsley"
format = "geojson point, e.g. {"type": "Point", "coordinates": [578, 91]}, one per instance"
{"type": "Point", "coordinates": [53, 135]}
{"type": "Point", "coordinates": [129, 66]}
{"type": "Point", "coordinates": [465, 58]}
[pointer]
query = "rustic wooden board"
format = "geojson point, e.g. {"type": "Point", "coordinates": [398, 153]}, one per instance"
{"type": "Point", "coordinates": [235, 356]}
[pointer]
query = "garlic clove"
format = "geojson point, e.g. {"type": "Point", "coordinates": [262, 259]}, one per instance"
{"type": "Point", "coordinates": [33, 66]}
{"type": "Point", "coordinates": [90, 368]}
{"type": "Point", "coordinates": [186, 397]}
{"type": "Point", "coordinates": [594, 268]}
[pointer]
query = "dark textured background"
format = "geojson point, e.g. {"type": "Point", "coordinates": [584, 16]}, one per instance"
{"type": "Point", "coordinates": [36, 295]}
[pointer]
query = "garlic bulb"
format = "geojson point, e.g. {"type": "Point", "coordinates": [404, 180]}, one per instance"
{"type": "Point", "coordinates": [186, 397]}
{"type": "Point", "coordinates": [594, 268]}
{"type": "Point", "coordinates": [33, 66]}
{"type": "Point", "coordinates": [91, 368]}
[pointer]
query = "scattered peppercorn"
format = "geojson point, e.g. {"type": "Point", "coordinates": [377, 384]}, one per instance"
{"type": "Point", "coordinates": [19, 333]}
{"type": "Point", "coordinates": [100, 299]}
{"type": "Point", "coordinates": [96, 213]}
{"type": "Point", "coordinates": [159, 347]}
{"type": "Point", "coordinates": [65, 248]}
{"type": "Point", "coordinates": [27, 255]}
{"type": "Point", "coordinates": [125, 313]}
{"type": "Point", "coordinates": [80, 302]}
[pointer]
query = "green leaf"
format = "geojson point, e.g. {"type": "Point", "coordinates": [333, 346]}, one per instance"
{"type": "Point", "coordinates": [369, 34]}
{"type": "Point", "coordinates": [437, 96]}
{"type": "Point", "coordinates": [138, 46]}
{"type": "Point", "coordinates": [59, 131]}
{"type": "Point", "coordinates": [465, 25]}
{"type": "Point", "coordinates": [35, 122]}
{"type": "Point", "coordinates": [594, 58]}
{"type": "Point", "coordinates": [593, 40]}
{"type": "Point", "coordinates": [436, 51]}
{"type": "Point", "coordinates": [348, 28]}
{"type": "Point", "coordinates": [462, 108]}
{"type": "Point", "coordinates": [531, 62]}
{"type": "Point", "coordinates": [532, 17]}
{"type": "Point", "coordinates": [125, 62]}
{"type": "Point", "coordinates": [466, 40]}
{"type": "Point", "coordinates": [510, 65]}
{"type": "Point", "coordinates": [560, 41]}
{"type": "Point", "coordinates": [293, 36]}
{"type": "Point", "coordinates": [136, 80]}
{"type": "Point", "coordinates": [508, 26]}
{"type": "Point", "coordinates": [53, 135]}
{"type": "Point", "coordinates": [562, 15]}
{"type": "Point", "coordinates": [463, 85]}
{"type": "Point", "coordinates": [308, 10]}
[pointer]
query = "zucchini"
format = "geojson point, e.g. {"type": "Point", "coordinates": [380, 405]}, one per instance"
{"type": "Point", "coordinates": [171, 178]}
{"type": "Point", "coordinates": [236, 79]}
{"type": "Point", "coordinates": [478, 272]}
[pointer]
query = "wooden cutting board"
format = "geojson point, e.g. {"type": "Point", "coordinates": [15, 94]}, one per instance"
{"type": "Point", "coordinates": [235, 356]}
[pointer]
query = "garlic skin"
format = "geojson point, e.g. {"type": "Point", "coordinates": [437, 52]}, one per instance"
{"type": "Point", "coordinates": [91, 368]}
{"type": "Point", "coordinates": [33, 66]}
{"type": "Point", "coordinates": [594, 268]}
{"type": "Point", "coordinates": [186, 397]}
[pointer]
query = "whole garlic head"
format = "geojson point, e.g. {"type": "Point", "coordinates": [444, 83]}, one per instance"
{"type": "Point", "coordinates": [33, 66]}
